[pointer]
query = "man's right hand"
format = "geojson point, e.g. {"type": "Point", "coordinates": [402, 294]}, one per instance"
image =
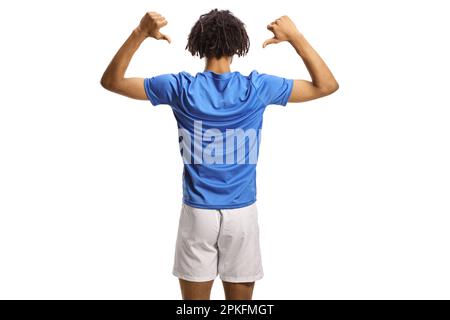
{"type": "Point", "coordinates": [150, 25]}
{"type": "Point", "coordinates": [283, 29]}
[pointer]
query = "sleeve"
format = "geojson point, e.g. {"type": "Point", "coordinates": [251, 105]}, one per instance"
{"type": "Point", "coordinates": [162, 89]}
{"type": "Point", "coordinates": [273, 89]}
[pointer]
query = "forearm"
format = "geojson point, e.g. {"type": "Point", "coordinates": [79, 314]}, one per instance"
{"type": "Point", "coordinates": [115, 72]}
{"type": "Point", "coordinates": [321, 75]}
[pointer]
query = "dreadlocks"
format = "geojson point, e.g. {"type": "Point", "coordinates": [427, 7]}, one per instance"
{"type": "Point", "coordinates": [217, 34]}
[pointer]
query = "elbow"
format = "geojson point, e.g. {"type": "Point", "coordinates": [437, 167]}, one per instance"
{"type": "Point", "coordinates": [104, 82]}
{"type": "Point", "coordinates": [334, 87]}
{"type": "Point", "coordinates": [107, 83]}
{"type": "Point", "coordinates": [329, 88]}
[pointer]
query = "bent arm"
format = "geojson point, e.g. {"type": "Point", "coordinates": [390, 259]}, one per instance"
{"type": "Point", "coordinates": [114, 76]}
{"type": "Point", "coordinates": [323, 82]}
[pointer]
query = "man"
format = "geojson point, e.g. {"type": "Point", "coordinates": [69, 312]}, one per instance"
{"type": "Point", "coordinates": [219, 116]}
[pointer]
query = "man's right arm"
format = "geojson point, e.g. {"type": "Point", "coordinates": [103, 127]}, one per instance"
{"type": "Point", "coordinates": [322, 81]}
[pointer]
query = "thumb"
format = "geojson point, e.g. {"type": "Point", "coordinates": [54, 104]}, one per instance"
{"type": "Point", "coordinates": [270, 41]}
{"type": "Point", "coordinates": [163, 36]}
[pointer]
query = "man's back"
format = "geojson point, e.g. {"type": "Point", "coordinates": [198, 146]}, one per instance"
{"type": "Point", "coordinates": [219, 117]}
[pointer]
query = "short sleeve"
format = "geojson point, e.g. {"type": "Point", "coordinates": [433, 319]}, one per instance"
{"type": "Point", "coordinates": [273, 89]}
{"type": "Point", "coordinates": [162, 89]}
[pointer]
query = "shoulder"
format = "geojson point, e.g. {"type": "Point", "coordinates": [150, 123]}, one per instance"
{"type": "Point", "coordinates": [260, 78]}
{"type": "Point", "coordinates": [172, 79]}
{"type": "Point", "coordinates": [185, 74]}
{"type": "Point", "coordinates": [174, 75]}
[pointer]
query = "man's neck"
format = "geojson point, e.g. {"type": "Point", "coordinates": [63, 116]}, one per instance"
{"type": "Point", "coordinates": [221, 65]}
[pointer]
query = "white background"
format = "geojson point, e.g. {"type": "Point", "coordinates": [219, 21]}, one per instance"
{"type": "Point", "coordinates": [353, 189]}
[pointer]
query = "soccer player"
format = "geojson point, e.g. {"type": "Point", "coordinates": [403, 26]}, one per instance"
{"type": "Point", "coordinates": [219, 116]}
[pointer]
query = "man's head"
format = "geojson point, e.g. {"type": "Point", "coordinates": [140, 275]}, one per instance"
{"type": "Point", "coordinates": [217, 34]}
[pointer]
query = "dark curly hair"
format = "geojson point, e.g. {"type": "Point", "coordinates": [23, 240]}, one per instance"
{"type": "Point", "coordinates": [216, 34]}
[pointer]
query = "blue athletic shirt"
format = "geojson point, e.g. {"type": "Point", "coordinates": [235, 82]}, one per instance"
{"type": "Point", "coordinates": [219, 118]}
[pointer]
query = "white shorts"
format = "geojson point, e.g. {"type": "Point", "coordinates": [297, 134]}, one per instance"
{"type": "Point", "coordinates": [221, 242]}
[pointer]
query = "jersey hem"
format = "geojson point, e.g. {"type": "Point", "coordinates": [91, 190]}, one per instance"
{"type": "Point", "coordinates": [147, 90]}
{"type": "Point", "coordinates": [218, 206]}
{"type": "Point", "coordinates": [288, 92]}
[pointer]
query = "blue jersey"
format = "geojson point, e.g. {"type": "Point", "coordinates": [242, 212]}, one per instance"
{"type": "Point", "coordinates": [219, 118]}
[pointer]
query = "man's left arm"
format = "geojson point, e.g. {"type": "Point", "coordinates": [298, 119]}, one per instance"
{"type": "Point", "coordinates": [113, 78]}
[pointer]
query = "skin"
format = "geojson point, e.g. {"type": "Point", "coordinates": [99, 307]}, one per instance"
{"type": "Point", "coordinates": [322, 83]}
{"type": "Point", "coordinates": [202, 290]}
